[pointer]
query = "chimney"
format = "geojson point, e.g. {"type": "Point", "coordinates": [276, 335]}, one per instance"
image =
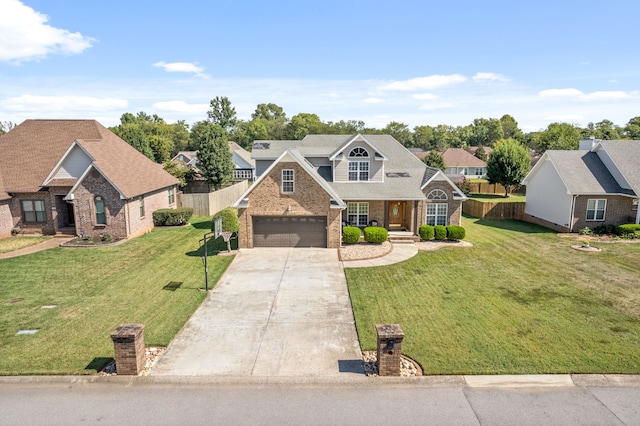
{"type": "Point", "coordinates": [588, 144]}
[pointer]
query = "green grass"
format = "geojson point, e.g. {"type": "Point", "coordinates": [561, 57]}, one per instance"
{"type": "Point", "coordinates": [499, 198]}
{"type": "Point", "coordinates": [16, 243]}
{"type": "Point", "coordinates": [519, 301]}
{"type": "Point", "coordinates": [96, 289]}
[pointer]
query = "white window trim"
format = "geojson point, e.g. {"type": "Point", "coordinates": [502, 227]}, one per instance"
{"type": "Point", "coordinates": [438, 213]}
{"type": "Point", "coordinates": [437, 195]}
{"type": "Point", "coordinates": [292, 180]}
{"type": "Point", "coordinates": [360, 211]}
{"type": "Point", "coordinates": [359, 169]}
{"type": "Point", "coordinates": [595, 210]}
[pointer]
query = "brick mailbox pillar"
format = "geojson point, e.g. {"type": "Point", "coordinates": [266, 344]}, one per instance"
{"type": "Point", "coordinates": [128, 345]}
{"type": "Point", "coordinates": [389, 349]}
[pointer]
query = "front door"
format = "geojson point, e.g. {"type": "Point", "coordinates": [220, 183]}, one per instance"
{"type": "Point", "coordinates": [396, 214]}
{"type": "Point", "coordinates": [71, 217]}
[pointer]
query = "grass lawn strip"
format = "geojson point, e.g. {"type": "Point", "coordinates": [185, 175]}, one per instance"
{"type": "Point", "coordinates": [95, 290]}
{"type": "Point", "coordinates": [520, 301]}
{"type": "Point", "coordinates": [499, 198]}
{"type": "Point", "coordinates": [16, 243]}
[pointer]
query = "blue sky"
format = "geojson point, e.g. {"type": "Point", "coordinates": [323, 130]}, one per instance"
{"type": "Point", "coordinates": [416, 62]}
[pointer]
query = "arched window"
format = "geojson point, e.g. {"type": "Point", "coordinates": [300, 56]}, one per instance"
{"type": "Point", "coordinates": [101, 215]}
{"type": "Point", "coordinates": [437, 194]}
{"type": "Point", "coordinates": [359, 152]}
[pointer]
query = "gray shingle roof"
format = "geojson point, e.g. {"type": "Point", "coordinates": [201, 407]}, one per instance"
{"type": "Point", "coordinates": [626, 156]}
{"type": "Point", "coordinates": [584, 173]}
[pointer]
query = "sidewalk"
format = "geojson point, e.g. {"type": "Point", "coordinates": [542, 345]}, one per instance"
{"type": "Point", "coordinates": [400, 253]}
{"type": "Point", "coordinates": [53, 242]}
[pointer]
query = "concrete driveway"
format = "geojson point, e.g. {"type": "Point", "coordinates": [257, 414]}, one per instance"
{"type": "Point", "coordinates": [275, 312]}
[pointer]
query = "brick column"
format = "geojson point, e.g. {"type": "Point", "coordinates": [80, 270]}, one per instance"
{"type": "Point", "coordinates": [128, 345]}
{"type": "Point", "coordinates": [389, 349]}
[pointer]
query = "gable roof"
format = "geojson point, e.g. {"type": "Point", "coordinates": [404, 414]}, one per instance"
{"type": "Point", "coordinates": [582, 172]}
{"type": "Point", "coordinates": [34, 148]}
{"type": "Point", "coordinates": [339, 152]}
{"type": "Point", "coordinates": [296, 156]}
{"type": "Point", "coordinates": [241, 155]}
{"type": "Point", "coordinates": [625, 155]}
{"type": "Point", "coordinates": [3, 193]}
{"type": "Point", "coordinates": [458, 157]}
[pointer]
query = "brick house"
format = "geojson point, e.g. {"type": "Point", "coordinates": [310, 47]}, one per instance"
{"type": "Point", "coordinates": [77, 177]}
{"type": "Point", "coordinates": [307, 190]}
{"type": "Point", "coordinates": [598, 184]}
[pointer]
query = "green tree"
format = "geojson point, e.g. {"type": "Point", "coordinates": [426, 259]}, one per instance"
{"type": "Point", "coordinates": [632, 129]}
{"type": "Point", "coordinates": [556, 136]}
{"type": "Point", "coordinates": [400, 132]}
{"type": "Point", "coordinates": [162, 148]}
{"type": "Point", "coordinates": [197, 134]}
{"type": "Point", "coordinates": [6, 126]}
{"type": "Point", "coordinates": [269, 112]}
{"type": "Point", "coordinates": [423, 137]}
{"type": "Point", "coordinates": [183, 173]}
{"type": "Point", "coordinates": [435, 159]}
{"type": "Point", "coordinates": [214, 157]}
{"type": "Point", "coordinates": [510, 128]}
{"type": "Point", "coordinates": [604, 129]}
{"type": "Point", "coordinates": [250, 131]}
{"type": "Point", "coordinates": [222, 113]}
{"type": "Point", "coordinates": [485, 132]}
{"type": "Point", "coordinates": [481, 153]}
{"type": "Point", "coordinates": [304, 124]}
{"type": "Point", "coordinates": [508, 164]}
{"type": "Point", "coordinates": [342, 127]}
{"type": "Point", "coordinates": [133, 134]}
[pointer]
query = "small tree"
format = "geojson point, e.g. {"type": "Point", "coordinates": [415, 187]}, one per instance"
{"type": "Point", "coordinates": [435, 159]}
{"type": "Point", "coordinates": [508, 164]}
{"type": "Point", "coordinates": [481, 153]}
{"type": "Point", "coordinates": [214, 157]}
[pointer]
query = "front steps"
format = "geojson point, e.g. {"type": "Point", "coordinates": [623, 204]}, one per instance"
{"type": "Point", "coordinates": [403, 237]}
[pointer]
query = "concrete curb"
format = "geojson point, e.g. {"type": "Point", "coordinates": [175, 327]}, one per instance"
{"type": "Point", "coordinates": [344, 381]}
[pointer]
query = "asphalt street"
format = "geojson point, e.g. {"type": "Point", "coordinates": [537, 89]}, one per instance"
{"type": "Point", "coordinates": [140, 403]}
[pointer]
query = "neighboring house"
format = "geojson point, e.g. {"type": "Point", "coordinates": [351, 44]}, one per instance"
{"type": "Point", "coordinates": [245, 167]}
{"type": "Point", "coordinates": [307, 190]}
{"type": "Point", "coordinates": [459, 162]}
{"type": "Point", "coordinates": [598, 184]}
{"type": "Point", "coordinates": [472, 150]}
{"type": "Point", "coordinates": [77, 177]}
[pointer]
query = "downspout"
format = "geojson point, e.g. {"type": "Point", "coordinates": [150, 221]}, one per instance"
{"type": "Point", "coordinates": [415, 217]}
{"type": "Point", "coordinates": [638, 212]}
{"type": "Point", "coordinates": [573, 209]}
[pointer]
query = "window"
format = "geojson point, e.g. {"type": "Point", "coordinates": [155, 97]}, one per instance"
{"type": "Point", "coordinates": [358, 170]}
{"type": "Point", "coordinates": [596, 209]}
{"type": "Point", "coordinates": [243, 174]}
{"type": "Point", "coordinates": [288, 181]}
{"type": "Point", "coordinates": [358, 214]}
{"type": "Point", "coordinates": [172, 196]}
{"type": "Point", "coordinates": [101, 215]}
{"type": "Point", "coordinates": [437, 194]}
{"type": "Point", "coordinates": [141, 201]}
{"type": "Point", "coordinates": [479, 171]}
{"type": "Point", "coordinates": [465, 171]}
{"type": "Point", "coordinates": [358, 152]}
{"type": "Point", "coordinates": [33, 211]}
{"type": "Point", "coordinates": [437, 214]}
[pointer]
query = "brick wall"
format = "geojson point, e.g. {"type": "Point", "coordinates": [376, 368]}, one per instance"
{"type": "Point", "coordinates": [309, 199]}
{"type": "Point", "coordinates": [618, 210]}
{"type": "Point", "coordinates": [6, 220]}
{"type": "Point", "coordinates": [94, 185]}
{"type": "Point", "coordinates": [15, 206]}
{"type": "Point", "coordinates": [454, 207]}
{"type": "Point", "coordinates": [152, 201]}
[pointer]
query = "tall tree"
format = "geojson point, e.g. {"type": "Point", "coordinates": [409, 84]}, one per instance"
{"type": "Point", "coordinates": [435, 159]}
{"type": "Point", "coordinates": [510, 128]}
{"type": "Point", "coordinates": [556, 136]}
{"type": "Point", "coordinates": [632, 129]}
{"type": "Point", "coordinates": [508, 164]}
{"type": "Point", "coordinates": [304, 124]}
{"type": "Point", "coordinates": [250, 131]}
{"type": "Point", "coordinates": [423, 137]}
{"type": "Point", "coordinates": [342, 127]}
{"type": "Point", "coordinates": [214, 157]}
{"type": "Point", "coordinates": [133, 134]}
{"type": "Point", "coordinates": [222, 113]}
{"type": "Point", "coordinates": [400, 132]}
{"type": "Point", "coordinates": [481, 153]}
{"type": "Point", "coordinates": [269, 112]}
{"type": "Point", "coordinates": [486, 131]}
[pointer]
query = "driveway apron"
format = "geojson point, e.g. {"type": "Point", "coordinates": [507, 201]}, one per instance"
{"type": "Point", "coordinates": [275, 312]}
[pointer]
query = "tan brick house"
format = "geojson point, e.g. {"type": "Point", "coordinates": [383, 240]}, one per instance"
{"type": "Point", "coordinates": [308, 189]}
{"type": "Point", "coordinates": [598, 184]}
{"type": "Point", "coordinates": [76, 176]}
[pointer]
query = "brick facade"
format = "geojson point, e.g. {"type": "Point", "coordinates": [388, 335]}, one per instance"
{"type": "Point", "coordinates": [454, 207]}
{"type": "Point", "coordinates": [6, 221]}
{"type": "Point", "coordinates": [308, 199]}
{"type": "Point", "coordinates": [618, 210]}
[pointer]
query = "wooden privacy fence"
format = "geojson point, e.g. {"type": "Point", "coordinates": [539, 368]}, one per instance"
{"type": "Point", "coordinates": [498, 211]}
{"type": "Point", "coordinates": [209, 203]}
{"type": "Point", "coordinates": [492, 188]}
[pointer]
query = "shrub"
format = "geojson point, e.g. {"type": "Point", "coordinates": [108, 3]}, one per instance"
{"type": "Point", "coordinates": [585, 231]}
{"type": "Point", "coordinates": [172, 217]}
{"type": "Point", "coordinates": [107, 238]}
{"type": "Point", "coordinates": [604, 230]}
{"type": "Point", "coordinates": [426, 232]}
{"type": "Point", "coordinates": [629, 230]}
{"type": "Point", "coordinates": [455, 232]}
{"type": "Point", "coordinates": [350, 234]}
{"type": "Point", "coordinates": [439, 232]}
{"type": "Point", "coordinates": [375, 234]}
{"type": "Point", "coordinates": [230, 222]}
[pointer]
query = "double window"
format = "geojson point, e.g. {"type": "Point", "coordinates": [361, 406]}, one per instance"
{"type": "Point", "coordinates": [288, 181]}
{"type": "Point", "coordinates": [33, 211]}
{"type": "Point", "coordinates": [358, 169]}
{"type": "Point", "coordinates": [596, 209]}
{"type": "Point", "coordinates": [358, 214]}
{"type": "Point", "coordinates": [437, 214]}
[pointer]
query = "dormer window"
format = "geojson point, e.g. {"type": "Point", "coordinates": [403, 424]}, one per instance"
{"type": "Point", "coordinates": [358, 169]}
{"type": "Point", "coordinates": [437, 194]}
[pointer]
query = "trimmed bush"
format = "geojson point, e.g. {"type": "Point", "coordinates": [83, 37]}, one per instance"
{"type": "Point", "coordinates": [604, 230]}
{"type": "Point", "coordinates": [455, 233]}
{"type": "Point", "coordinates": [629, 230]}
{"type": "Point", "coordinates": [426, 232]}
{"type": "Point", "coordinates": [375, 234]}
{"type": "Point", "coordinates": [440, 232]}
{"type": "Point", "coordinates": [350, 234]}
{"type": "Point", "coordinates": [172, 217]}
{"type": "Point", "coordinates": [230, 222]}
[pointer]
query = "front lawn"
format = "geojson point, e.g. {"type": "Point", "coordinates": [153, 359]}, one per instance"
{"type": "Point", "coordinates": [75, 297]}
{"type": "Point", "coordinates": [519, 301]}
{"type": "Point", "coordinates": [499, 198]}
{"type": "Point", "coordinates": [16, 243]}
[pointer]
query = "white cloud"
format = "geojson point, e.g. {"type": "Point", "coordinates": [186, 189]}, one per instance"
{"type": "Point", "coordinates": [181, 107]}
{"type": "Point", "coordinates": [559, 93]}
{"type": "Point", "coordinates": [567, 118]}
{"type": "Point", "coordinates": [25, 35]}
{"type": "Point", "coordinates": [489, 76]}
{"type": "Point", "coordinates": [180, 67]}
{"type": "Point", "coordinates": [607, 95]}
{"type": "Point", "coordinates": [424, 96]}
{"type": "Point", "coordinates": [425, 83]}
{"type": "Point", "coordinates": [373, 101]}
{"type": "Point", "coordinates": [41, 104]}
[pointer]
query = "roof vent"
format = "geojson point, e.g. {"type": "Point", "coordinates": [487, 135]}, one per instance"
{"type": "Point", "coordinates": [261, 145]}
{"type": "Point", "coordinates": [398, 174]}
